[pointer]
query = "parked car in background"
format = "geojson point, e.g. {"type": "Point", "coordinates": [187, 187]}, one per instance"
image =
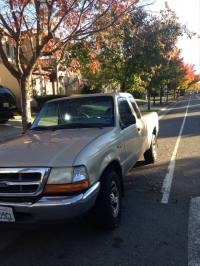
{"type": "Point", "coordinates": [7, 105]}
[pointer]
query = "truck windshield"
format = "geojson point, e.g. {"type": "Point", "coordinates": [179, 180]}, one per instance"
{"type": "Point", "coordinates": [85, 112]}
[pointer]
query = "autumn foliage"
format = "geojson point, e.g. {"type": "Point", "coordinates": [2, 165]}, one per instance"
{"type": "Point", "coordinates": [191, 75]}
{"type": "Point", "coordinates": [41, 28]}
{"type": "Point", "coordinates": [139, 55]}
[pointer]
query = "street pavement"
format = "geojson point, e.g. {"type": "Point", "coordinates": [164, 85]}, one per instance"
{"type": "Point", "coordinates": [152, 233]}
{"type": "Point", "coordinates": [10, 130]}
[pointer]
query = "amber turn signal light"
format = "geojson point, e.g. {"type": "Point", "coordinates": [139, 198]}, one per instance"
{"type": "Point", "coordinates": [63, 188]}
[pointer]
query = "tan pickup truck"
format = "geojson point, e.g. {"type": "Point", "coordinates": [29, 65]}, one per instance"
{"type": "Point", "coordinates": [74, 159]}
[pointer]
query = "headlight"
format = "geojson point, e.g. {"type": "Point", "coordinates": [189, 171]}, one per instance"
{"type": "Point", "coordinates": [62, 180]}
{"type": "Point", "coordinates": [60, 176]}
{"type": "Point", "coordinates": [67, 175]}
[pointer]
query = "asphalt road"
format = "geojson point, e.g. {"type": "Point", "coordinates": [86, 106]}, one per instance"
{"type": "Point", "coordinates": [151, 233]}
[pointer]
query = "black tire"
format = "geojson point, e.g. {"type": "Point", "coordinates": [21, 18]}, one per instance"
{"type": "Point", "coordinates": [150, 155]}
{"type": "Point", "coordinates": [108, 205]}
{"type": "Point", "coordinates": [3, 121]}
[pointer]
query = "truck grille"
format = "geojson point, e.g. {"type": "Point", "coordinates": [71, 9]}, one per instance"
{"type": "Point", "coordinates": [16, 182]}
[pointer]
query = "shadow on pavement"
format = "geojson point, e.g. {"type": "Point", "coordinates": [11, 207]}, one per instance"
{"type": "Point", "coordinates": [170, 127]}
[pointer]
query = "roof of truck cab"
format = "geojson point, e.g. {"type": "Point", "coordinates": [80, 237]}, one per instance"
{"type": "Point", "coordinates": [114, 94]}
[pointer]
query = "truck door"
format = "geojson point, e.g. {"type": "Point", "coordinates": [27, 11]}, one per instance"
{"type": "Point", "coordinates": [129, 132]}
{"type": "Point", "coordinates": [142, 129]}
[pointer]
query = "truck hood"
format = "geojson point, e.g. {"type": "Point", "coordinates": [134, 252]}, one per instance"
{"type": "Point", "coordinates": [47, 149]}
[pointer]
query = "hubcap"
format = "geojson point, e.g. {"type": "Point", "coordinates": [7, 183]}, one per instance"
{"type": "Point", "coordinates": [114, 199]}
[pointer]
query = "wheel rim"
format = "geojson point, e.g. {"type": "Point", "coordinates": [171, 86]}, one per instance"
{"type": "Point", "coordinates": [114, 199]}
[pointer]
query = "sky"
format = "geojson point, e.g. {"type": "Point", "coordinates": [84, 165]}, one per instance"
{"type": "Point", "coordinates": [188, 12]}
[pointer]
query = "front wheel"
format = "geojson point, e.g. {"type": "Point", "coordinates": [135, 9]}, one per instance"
{"type": "Point", "coordinates": [108, 205]}
{"type": "Point", "coordinates": [150, 155]}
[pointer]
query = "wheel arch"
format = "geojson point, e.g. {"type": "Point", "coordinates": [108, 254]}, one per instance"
{"type": "Point", "coordinates": [115, 165]}
{"type": "Point", "coordinates": [155, 132]}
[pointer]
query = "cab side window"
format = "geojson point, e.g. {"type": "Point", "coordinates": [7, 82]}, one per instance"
{"type": "Point", "coordinates": [135, 108]}
{"type": "Point", "coordinates": [126, 116]}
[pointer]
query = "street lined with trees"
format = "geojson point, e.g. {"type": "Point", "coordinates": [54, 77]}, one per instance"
{"type": "Point", "coordinates": [109, 44]}
{"type": "Point", "coordinates": [139, 56]}
{"type": "Point", "coordinates": [46, 28]}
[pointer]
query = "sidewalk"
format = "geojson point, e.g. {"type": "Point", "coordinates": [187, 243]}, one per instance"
{"type": "Point", "coordinates": [160, 109]}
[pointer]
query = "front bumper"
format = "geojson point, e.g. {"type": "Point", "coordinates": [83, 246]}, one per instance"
{"type": "Point", "coordinates": [55, 208]}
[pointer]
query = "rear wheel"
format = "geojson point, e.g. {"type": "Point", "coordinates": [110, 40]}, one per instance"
{"type": "Point", "coordinates": [108, 205]}
{"type": "Point", "coordinates": [150, 155]}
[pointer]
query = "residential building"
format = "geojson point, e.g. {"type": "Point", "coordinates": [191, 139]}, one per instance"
{"type": "Point", "coordinates": [6, 78]}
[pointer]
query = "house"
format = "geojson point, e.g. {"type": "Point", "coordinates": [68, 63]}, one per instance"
{"type": "Point", "coordinates": [47, 79]}
{"type": "Point", "coordinates": [6, 78]}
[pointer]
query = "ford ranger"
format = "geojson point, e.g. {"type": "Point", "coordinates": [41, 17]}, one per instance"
{"type": "Point", "coordinates": [74, 159]}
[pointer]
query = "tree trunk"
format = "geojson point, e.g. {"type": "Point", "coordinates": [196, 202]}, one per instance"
{"type": "Point", "coordinates": [174, 94]}
{"type": "Point", "coordinates": [154, 100]}
{"type": "Point", "coordinates": [123, 87]}
{"type": "Point", "coordinates": [167, 99]}
{"type": "Point", "coordinates": [25, 102]}
{"type": "Point", "coordinates": [53, 88]}
{"type": "Point", "coordinates": [161, 93]}
{"type": "Point", "coordinates": [149, 100]}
